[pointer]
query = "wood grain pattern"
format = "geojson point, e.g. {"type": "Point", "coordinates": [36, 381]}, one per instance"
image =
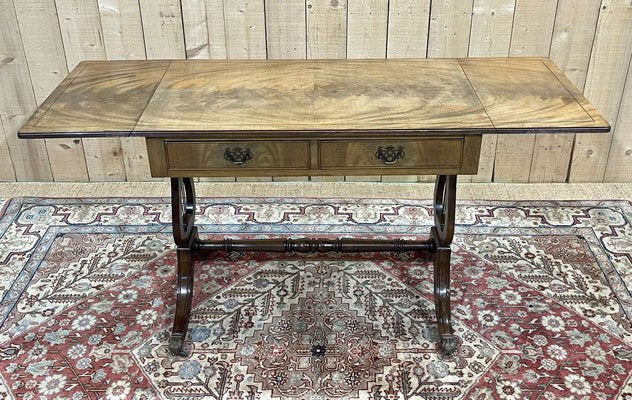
{"type": "Point", "coordinates": [245, 27]}
{"type": "Point", "coordinates": [144, 98]}
{"type": "Point", "coordinates": [123, 38]}
{"type": "Point", "coordinates": [525, 93]}
{"type": "Point", "coordinates": [367, 24]}
{"type": "Point", "coordinates": [291, 158]}
{"type": "Point", "coordinates": [96, 29]}
{"type": "Point", "coordinates": [100, 97]}
{"type": "Point", "coordinates": [205, 155]}
{"type": "Point", "coordinates": [492, 22]}
{"type": "Point", "coordinates": [326, 38]}
{"type": "Point", "coordinates": [417, 153]}
{"type": "Point", "coordinates": [83, 40]}
{"type": "Point", "coordinates": [312, 95]}
{"type": "Point", "coordinates": [286, 40]}
{"type": "Point", "coordinates": [407, 38]}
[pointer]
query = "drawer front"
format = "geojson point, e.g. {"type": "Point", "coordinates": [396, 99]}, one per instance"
{"type": "Point", "coordinates": [208, 155]}
{"type": "Point", "coordinates": [421, 153]}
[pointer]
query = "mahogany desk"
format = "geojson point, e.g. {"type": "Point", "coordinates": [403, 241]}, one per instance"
{"type": "Point", "coordinates": [325, 117]}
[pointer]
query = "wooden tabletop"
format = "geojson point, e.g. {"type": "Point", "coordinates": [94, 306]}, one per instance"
{"type": "Point", "coordinates": [205, 97]}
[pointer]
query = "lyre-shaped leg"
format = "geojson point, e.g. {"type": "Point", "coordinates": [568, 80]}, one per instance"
{"type": "Point", "coordinates": [442, 233]}
{"type": "Point", "coordinates": [185, 235]}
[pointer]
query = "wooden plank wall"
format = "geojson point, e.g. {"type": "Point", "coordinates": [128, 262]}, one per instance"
{"type": "Point", "coordinates": [591, 41]}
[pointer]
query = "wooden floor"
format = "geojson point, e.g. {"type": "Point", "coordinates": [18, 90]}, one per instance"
{"type": "Point", "coordinates": [470, 191]}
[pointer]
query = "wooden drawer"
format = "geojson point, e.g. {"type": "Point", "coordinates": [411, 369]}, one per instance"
{"type": "Point", "coordinates": [398, 154]}
{"type": "Point", "coordinates": [227, 155]}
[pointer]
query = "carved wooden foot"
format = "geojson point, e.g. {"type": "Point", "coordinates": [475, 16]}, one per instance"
{"type": "Point", "coordinates": [447, 344]}
{"type": "Point", "coordinates": [176, 345]}
{"type": "Point", "coordinates": [185, 236]}
{"type": "Point", "coordinates": [442, 234]}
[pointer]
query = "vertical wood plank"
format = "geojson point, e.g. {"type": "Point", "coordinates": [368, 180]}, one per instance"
{"type": "Point", "coordinates": [605, 81]}
{"type": "Point", "coordinates": [216, 28]}
{"type": "Point", "coordinates": [407, 38]}
{"type": "Point", "coordinates": [326, 29]}
{"type": "Point", "coordinates": [7, 174]}
{"type": "Point", "coordinates": [123, 40]}
{"type": "Point", "coordinates": [366, 38]}
{"type": "Point", "coordinates": [286, 38]}
{"type": "Point", "coordinates": [246, 38]}
{"type": "Point", "coordinates": [96, 29]}
{"type": "Point", "coordinates": [285, 27]}
{"type": "Point", "coordinates": [619, 166]}
{"type": "Point", "coordinates": [366, 30]}
{"type": "Point", "coordinates": [204, 28]}
{"type": "Point", "coordinates": [571, 45]}
{"type": "Point", "coordinates": [408, 28]}
{"type": "Point", "coordinates": [205, 37]}
{"type": "Point", "coordinates": [449, 32]}
{"type": "Point", "coordinates": [80, 25]}
{"type": "Point", "coordinates": [122, 29]}
{"type": "Point", "coordinates": [44, 52]}
{"type": "Point", "coordinates": [573, 36]}
{"type": "Point", "coordinates": [43, 47]}
{"type": "Point", "coordinates": [245, 29]}
{"type": "Point", "coordinates": [196, 29]}
{"type": "Point", "coordinates": [532, 28]}
{"type": "Point", "coordinates": [80, 30]}
{"type": "Point", "coordinates": [492, 23]}
{"type": "Point", "coordinates": [326, 38]}
{"type": "Point", "coordinates": [530, 36]}
{"type": "Point", "coordinates": [17, 102]}
{"type": "Point", "coordinates": [163, 31]}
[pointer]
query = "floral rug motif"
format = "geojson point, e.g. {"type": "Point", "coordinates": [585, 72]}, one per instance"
{"type": "Point", "coordinates": [541, 300]}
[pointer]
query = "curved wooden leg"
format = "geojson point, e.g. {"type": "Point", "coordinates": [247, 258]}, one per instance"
{"type": "Point", "coordinates": [442, 299]}
{"type": "Point", "coordinates": [184, 300]}
{"type": "Point", "coordinates": [185, 236]}
{"type": "Point", "coordinates": [442, 234]}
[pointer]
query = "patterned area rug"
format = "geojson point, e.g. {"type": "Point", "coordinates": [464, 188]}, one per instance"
{"type": "Point", "coordinates": [541, 302]}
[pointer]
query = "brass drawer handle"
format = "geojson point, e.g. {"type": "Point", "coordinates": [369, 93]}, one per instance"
{"type": "Point", "coordinates": [237, 155]}
{"type": "Point", "coordinates": [389, 154]}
